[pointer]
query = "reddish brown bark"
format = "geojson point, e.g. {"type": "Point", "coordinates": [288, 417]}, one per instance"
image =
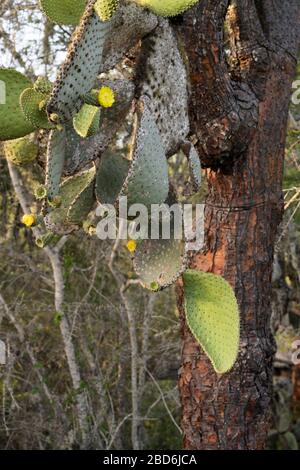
{"type": "Point", "coordinates": [239, 118]}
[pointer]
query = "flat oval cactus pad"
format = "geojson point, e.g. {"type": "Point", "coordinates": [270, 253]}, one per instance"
{"type": "Point", "coordinates": [13, 122]}
{"type": "Point", "coordinates": [213, 317]}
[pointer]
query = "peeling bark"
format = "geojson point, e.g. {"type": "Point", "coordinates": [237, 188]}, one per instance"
{"type": "Point", "coordinates": [238, 113]}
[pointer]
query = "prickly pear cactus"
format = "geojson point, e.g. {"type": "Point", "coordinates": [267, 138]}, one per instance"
{"type": "Point", "coordinates": [111, 176]}
{"type": "Point", "coordinates": [55, 162]}
{"type": "Point", "coordinates": [21, 151]}
{"type": "Point", "coordinates": [64, 12]}
{"type": "Point", "coordinates": [76, 199]}
{"type": "Point", "coordinates": [86, 110]}
{"type": "Point", "coordinates": [79, 71]}
{"type": "Point", "coordinates": [161, 75]}
{"type": "Point", "coordinates": [159, 263]}
{"type": "Point", "coordinates": [167, 7]}
{"type": "Point", "coordinates": [33, 104]}
{"type": "Point", "coordinates": [213, 316]}
{"type": "Point", "coordinates": [106, 8]}
{"type": "Point", "coordinates": [87, 121]}
{"type": "Point", "coordinates": [147, 181]}
{"type": "Point", "coordinates": [13, 122]}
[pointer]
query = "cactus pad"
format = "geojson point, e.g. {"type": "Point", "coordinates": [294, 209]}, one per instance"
{"type": "Point", "coordinates": [213, 317]}
{"type": "Point", "coordinates": [111, 119]}
{"type": "Point", "coordinates": [147, 182]}
{"type": "Point", "coordinates": [161, 75]}
{"type": "Point", "coordinates": [106, 8]}
{"type": "Point", "coordinates": [167, 7]}
{"type": "Point", "coordinates": [20, 151]}
{"type": "Point", "coordinates": [158, 263]}
{"type": "Point", "coordinates": [66, 12]}
{"type": "Point", "coordinates": [110, 178]}
{"type": "Point", "coordinates": [79, 71]}
{"type": "Point", "coordinates": [129, 24]}
{"type": "Point", "coordinates": [55, 161]}
{"type": "Point", "coordinates": [87, 121]}
{"type": "Point", "coordinates": [77, 200]}
{"type": "Point", "coordinates": [30, 101]}
{"type": "Point", "coordinates": [13, 122]}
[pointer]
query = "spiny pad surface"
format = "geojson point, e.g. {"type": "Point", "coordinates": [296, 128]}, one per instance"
{"type": "Point", "coordinates": [213, 317]}
{"type": "Point", "coordinates": [167, 7]}
{"type": "Point", "coordinates": [161, 75]}
{"type": "Point", "coordinates": [13, 122]}
{"type": "Point", "coordinates": [20, 151]}
{"type": "Point", "coordinates": [66, 12]}
{"type": "Point", "coordinates": [80, 69]}
{"type": "Point", "coordinates": [106, 8]}
{"type": "Point", "coordinates": [147, 182]}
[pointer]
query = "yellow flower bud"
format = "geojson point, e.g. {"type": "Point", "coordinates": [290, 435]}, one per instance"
{"type": "Point", "coordinates": [29, 220]}
{"type": "Point", "coordinates": [131, 246]}
{"type": "Point", "coordinates": [106, 97]}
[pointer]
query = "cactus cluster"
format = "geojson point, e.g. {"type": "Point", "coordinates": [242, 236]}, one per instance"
{"type": "Point", "coordinates": [83, 112]}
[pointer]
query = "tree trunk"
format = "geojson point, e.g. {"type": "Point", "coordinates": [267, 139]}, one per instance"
{"type": "Point", "coordinates": [238, 110]}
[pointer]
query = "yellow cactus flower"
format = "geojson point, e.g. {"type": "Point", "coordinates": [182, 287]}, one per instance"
{"type": "Point", "coordinates": [131, 246]}
{"type": "Point", "coordinates": [29, 220]}
{"type": "Point", "coordinates": [106, 97]}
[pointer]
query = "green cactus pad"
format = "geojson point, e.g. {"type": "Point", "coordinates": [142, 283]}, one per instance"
{"type": "Point", "coordinates": [81, 206]}
{"type": "Point", "coordinates": [213, 317]}
{"type": "Point", "coordinates": [55, 161]}
{"type": "Point", "coordinates": [167, 7]}
{"type": "Point", "coordinates": [77, 200]}
{"type": "Point", "coordinates": [13, 122]}
{"type": "Point", "coordinates": [30, 101]}
{"type": "Point", "coordinates": [80, 69]}
{"type": "Point", "coordinates": [158, 263]}
{"type": "Point", "coordinates": [65, 12]}
{"type": "Point", "coordinates": [147, 182]}
{"type": "Point", "coordinates": [87, 121]}
{"type": "Point", "coordinates": [20, 151]}
{"type": "Point", "coordinates": [106, 8]}
{"type": "Point", "coordinates": [110, 178]}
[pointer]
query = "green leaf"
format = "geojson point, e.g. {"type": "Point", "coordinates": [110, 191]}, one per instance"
{"type": "Point", "coordinates": [213, 317]}
{"type": "Point", "coordinates": [13, 122]}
